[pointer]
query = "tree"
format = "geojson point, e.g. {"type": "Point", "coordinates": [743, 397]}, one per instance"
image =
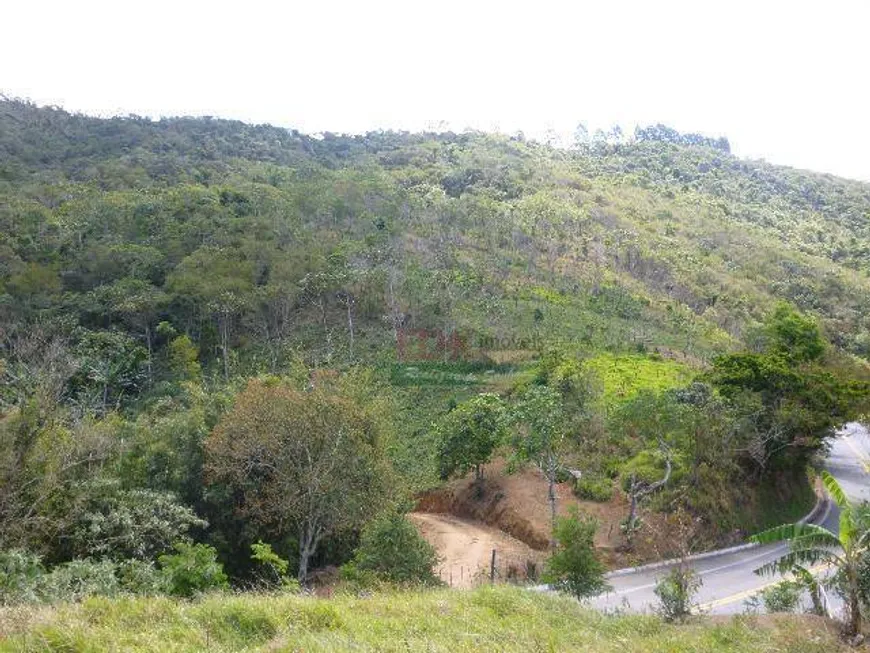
{"type": "Point", "coordinates": [794, 336]}
{"type": "Point", "coordinates": [578, 386]}
{"type": "Point", "coordinates": [574, 566]}
{"type": "Point", "coordinates": [541, 435]}
{"type": "Point", "coordinates": [469, 434]}
{"type": "Point", "coordinates": [315, 289]}
{"type": "Point", "coordinates": [791, 401]}
{"type": "Point", "coordinates": [810, 545]}
{"type": "Point", "coordinates": [310, 461]}
{"type": "Point", "coordinates": [138, 303]}
{"type": "Point", "coordinates": [111, 364]}
{"type": "Point", "coordinates": [581, 137]}
{"type": "Point", "coordinates": [44, 464]}
{"type": "Point", "coordinates": [220, 284]}
{"type": "Point", "coordinates": [640, 488]}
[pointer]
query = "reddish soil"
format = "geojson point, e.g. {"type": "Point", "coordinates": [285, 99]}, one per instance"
{"type": "Point", "coordinates": [517, 505]}
{"type": "Point", "coordinates": [466, 547]}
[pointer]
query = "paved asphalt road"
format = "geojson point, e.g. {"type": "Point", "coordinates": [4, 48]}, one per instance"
{"type": "Point", "coordinates": [728, 578]}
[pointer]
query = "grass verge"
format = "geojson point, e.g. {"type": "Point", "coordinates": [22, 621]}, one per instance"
{"type": "Point", "coordinates": [486, 619]}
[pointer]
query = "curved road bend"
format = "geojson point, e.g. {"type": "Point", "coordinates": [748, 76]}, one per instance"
{"type": "Point", "coordinates": [728, 578]}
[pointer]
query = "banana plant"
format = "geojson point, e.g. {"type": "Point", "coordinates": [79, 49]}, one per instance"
{"type": "Point", "coordinates": [810, 545]}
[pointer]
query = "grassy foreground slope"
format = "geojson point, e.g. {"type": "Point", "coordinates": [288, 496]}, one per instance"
{"type": "Point", "coordinates": [487, 619]}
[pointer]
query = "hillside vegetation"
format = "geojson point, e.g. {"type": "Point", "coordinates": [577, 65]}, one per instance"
{"type": "Point", "coordinates": [215, 334]}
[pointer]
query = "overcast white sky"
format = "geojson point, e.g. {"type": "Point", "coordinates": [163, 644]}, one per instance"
{"type": "Point", "coordinates": [786, 81]}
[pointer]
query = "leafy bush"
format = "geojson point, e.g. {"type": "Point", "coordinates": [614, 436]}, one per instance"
{"type": "Point", "coordinates": [272, 567]}
{"type": "Point", "coordinates": [23, 579]}
{"type": "Point", "coordinates": [594, 488]}
{"type": "Point", "coordinates": [676, 592]}
{"type": "Point", "coordinates": [121, 524]}
{"type": "Point", "coordinates": [191, 569]}
{"type": "Point", "coordinates": [391, 549]}
{"type": "Point", "coordinates": [21, 575]}
{"type": "Point", "coordinates": [574, 566]}
{"type": "Point", "coordinates": [782, 597]}
{"type": "Point", "coordinates": [79, 579]}
{"type": "Point", "coordinates": [140, 577]}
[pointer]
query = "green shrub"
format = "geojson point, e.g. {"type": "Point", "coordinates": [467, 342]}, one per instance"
{"type": "Point", "coordinates": [21, 576]}
{"type": "Point", "coordinates": [191, 569]}
{"type": "Point", "coordinates": [23, 579]}
{"type": "Point", "coordinates": [391, 549]}
{"type": "Point", "coordinates": [272, 568]}
{"type": "Point", "coordinates": [594, 488]}
{"type": "Point", "coordinates": [782, 597]}
{"type": "Point", "coordinates": [140, 577]}
{"type": "Point", "coordinates": [352, 574]}
{"type": "Point", "coordinates": [78, 579]}
{"type": "Point", "coordinates": [574, 567]}
{"type": "Point", "coordinates": [676, 593]}
{"type": "Point", "coordinates": [115, 523]}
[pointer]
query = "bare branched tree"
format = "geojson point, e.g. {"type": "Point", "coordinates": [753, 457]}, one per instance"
{"type": "Point", "coordinates": [638, 489]}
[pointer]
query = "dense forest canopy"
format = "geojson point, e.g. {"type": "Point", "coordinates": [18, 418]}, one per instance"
{"type": "Point", "coordinates": [150, 268]}
{"type": "Point", "coordinates": [434, 230]}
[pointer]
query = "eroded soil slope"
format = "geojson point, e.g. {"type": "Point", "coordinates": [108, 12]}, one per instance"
{"type": "Point", "coordinates": [466, 546]}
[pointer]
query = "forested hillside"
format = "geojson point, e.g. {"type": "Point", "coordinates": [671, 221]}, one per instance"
{"type": "Point", "coordinates": [164, 285]}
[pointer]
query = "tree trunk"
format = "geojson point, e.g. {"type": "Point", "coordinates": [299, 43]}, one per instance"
{"type": "Point", "coordinates": [304, 556]}
{"type": "Point", "coordinates": [637, 490]}
{"type": "Point", "coordinates": [224, 329]}
{"type": "Point", "coordinates": [322, 306]}
{"type": "Point", "coordinates": [272, 343]}
{"type": "Point", "coordinates": [150, 354]}
{"type": "Point", "coordinates": [551, 496]}
{"type": "Point", "coordinates": [394, 309]}
{"type": "Point", "coordinates": [349, 301]}
{"type": "Point", "coordinates": [816, 598]}
{"type": "Point", "coordinates": [478, 482]}
{"type": "Point", "coordinates": [308, 540]}
{"type": "Point", "coordinates": [854, 626]}
{"type": "Point", "coordinates": [632, 512]}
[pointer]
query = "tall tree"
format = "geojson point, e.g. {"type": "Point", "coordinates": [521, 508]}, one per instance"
{"type": "Point", "coordinates": [793, 400]}
{"type": "Point", "coordinates": [220, 284]}
{"type": "Point", "coordinates": [138, 303]}
{"type": "Point", "coordinates": [310, 461]}
{"type": "Point", "coordinates": [469, 434]}
{"type": "Point", "coordinates": [541, 435]}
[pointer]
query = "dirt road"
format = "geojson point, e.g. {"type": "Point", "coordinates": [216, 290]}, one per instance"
{"type": "Point", "coordinates": [466, 548]}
